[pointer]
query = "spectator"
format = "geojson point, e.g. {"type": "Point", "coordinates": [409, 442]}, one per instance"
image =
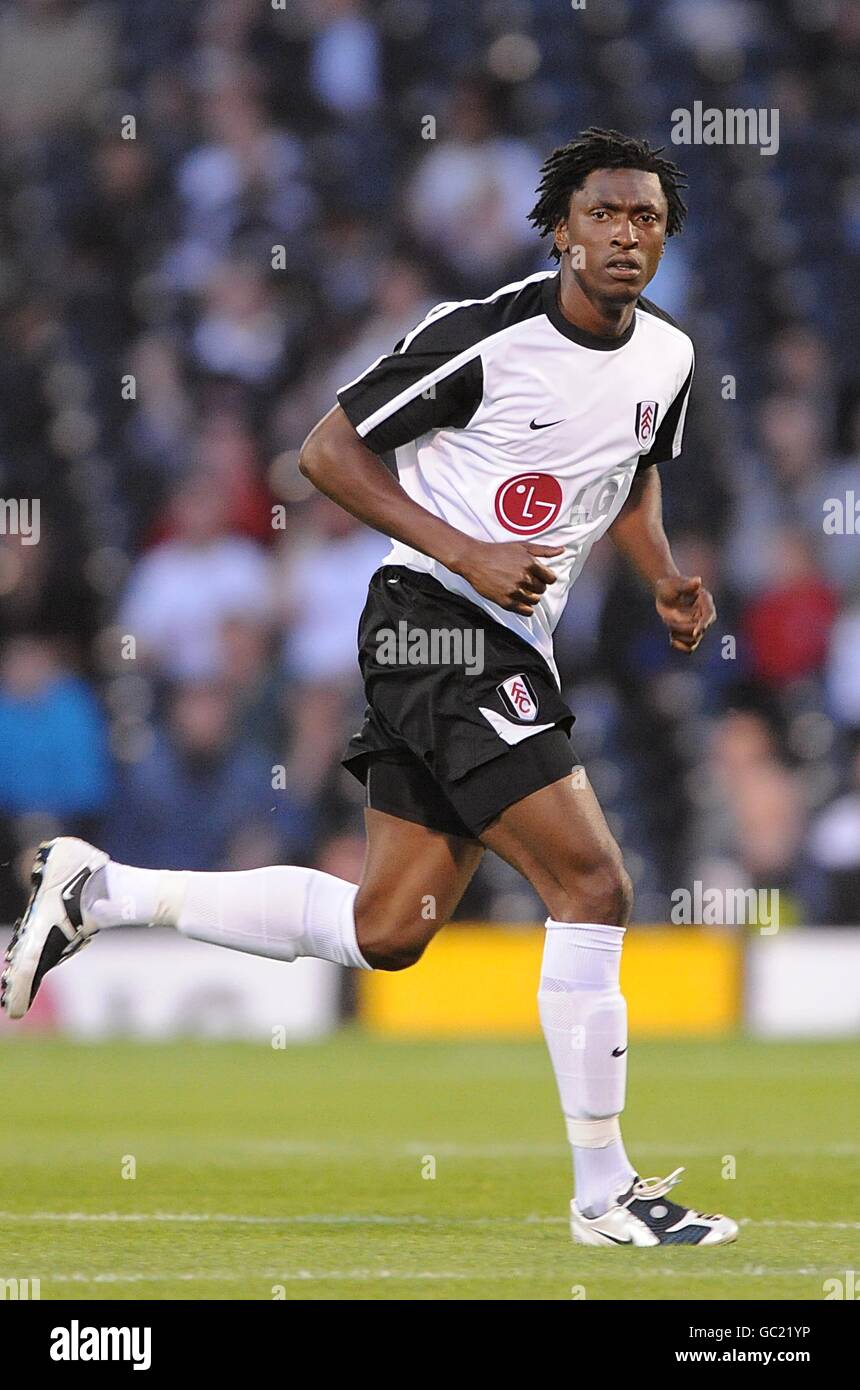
{"type": "Point", "coordinates": [843, 667]}
{"type": "Point", "coordinates": [53, 753]}
{"type": "Point", "coordinates": [182, 592]}
{"type": "Point", "coordinates": [755, 815]}
{"type": "Point", "coordinates": [56, 59]}
{"type": "Point", "coordinates": [324, 586]}
{"type": "Point", "coordinates": [242, 331]}
{"type": "Point", "coordinates": [471, 196]}
{"type": "Point", "coordinates": [788, 625]}
{"type": "Point", "coordinates": [226, 455]}
{"type": "Point", "coordinates": [247, 171]}
{"type": "Point", "coordinates": [345, 58]}
{"type": "Point", "coordinates": [835, 850]}
{"type": "Point", "coordinates": [193, 799]}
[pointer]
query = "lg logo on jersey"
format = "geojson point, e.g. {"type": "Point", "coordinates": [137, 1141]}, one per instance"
{"type": "Point", "coordinates": [594, 501]}
{"type": "Point", "coordinates": [529, 503]}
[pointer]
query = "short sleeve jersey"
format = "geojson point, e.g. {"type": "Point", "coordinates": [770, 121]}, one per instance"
{"type": "Point", "coordinates": [509, 422]}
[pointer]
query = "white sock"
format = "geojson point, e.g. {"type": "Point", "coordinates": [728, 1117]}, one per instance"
{"type": "Point", "coordinates": [281, 912]}
{"type": "Point", "coordinates": [584, 1018]}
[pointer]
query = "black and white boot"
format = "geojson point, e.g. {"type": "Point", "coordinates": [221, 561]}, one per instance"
{"type": "Point", "coordinates": [643, 1215]}
{"type": "Point", "coordinates": [51, 929]}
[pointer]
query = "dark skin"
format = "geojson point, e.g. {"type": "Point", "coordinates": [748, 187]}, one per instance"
{"type": "Point", "coordinates": [617, 226]}
{"type": "Point", "coordinates": [557, 837]}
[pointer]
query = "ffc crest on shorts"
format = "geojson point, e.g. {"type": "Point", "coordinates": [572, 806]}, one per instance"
{"type": "Point", "coordinates": [517, 695]}
{"type": "Point", "coordinates": [646, 422]}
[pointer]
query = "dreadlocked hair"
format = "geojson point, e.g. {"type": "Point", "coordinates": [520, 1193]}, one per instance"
{"type": "Point", "coordinates": [567, 168]}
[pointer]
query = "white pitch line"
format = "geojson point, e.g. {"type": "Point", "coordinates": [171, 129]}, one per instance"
{"type": "Point", "coordinates": [234, 1151]}
{"type": "Point", "coordinates": [296, 1219]}
{"type": "Point", "coordinates": [837, 1150]}
{"type": "Point", "coordinates": [408, 1276]}
{"type": "Point", "coordinates": [298, 1275]}
{"type": "Point", "coordinates": [528, 1149]}
{"type": "Point", "coordinates": [805, 1225]}
{"type": "Point", "coordinates": [348, 1219]}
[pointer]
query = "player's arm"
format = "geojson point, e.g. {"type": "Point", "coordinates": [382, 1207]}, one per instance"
{"type": "Point", "coordinates": [684, 604]}
{"type": "Point", "coordinates": [340, 464]}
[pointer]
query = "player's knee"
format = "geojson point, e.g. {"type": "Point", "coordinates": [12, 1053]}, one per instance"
{"type": "Point", "coordinates": [608, 893]}
{"type": "Point", "coordinates": [391, 951]}
{"type": "Point", "coordinates": [397, 955]}
{"type": "Point", "coordinates": [602, 893]}
{"type": "Point", "coordinates": [387, 944]}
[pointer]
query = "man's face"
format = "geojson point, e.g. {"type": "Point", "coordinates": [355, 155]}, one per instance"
{"type": "Point", "coordinates": [618, 218]}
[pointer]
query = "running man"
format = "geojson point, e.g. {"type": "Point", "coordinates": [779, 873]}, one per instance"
{"type": "Point", "coordinates": [523, 427]}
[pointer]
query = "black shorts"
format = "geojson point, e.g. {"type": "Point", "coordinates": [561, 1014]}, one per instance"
{"type": "Point", "coordinates": [454, 700]}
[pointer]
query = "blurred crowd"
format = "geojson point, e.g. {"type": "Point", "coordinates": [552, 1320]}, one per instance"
{"type": "Point", "coordinates": [212, 215]}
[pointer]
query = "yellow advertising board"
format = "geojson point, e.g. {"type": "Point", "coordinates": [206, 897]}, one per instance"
{"type": "Point", "coordinates": [477, 980]}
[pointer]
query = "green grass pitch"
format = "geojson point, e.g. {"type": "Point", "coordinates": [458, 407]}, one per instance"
{"type": "Point", "coordinates": [304, 1173]}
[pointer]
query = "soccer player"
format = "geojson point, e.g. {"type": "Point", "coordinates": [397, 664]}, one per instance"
{"type": "Point", "coordinates": [524, 426]}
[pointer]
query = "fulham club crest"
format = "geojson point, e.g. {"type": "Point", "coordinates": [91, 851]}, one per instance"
{"type": "Point", "coordinates": [646, 422]}
{"type": "Point", "coordinates": [519, 698]}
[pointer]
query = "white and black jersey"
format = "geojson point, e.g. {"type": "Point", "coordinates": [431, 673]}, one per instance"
{"type": "Point", "coordinates": [507, 421]}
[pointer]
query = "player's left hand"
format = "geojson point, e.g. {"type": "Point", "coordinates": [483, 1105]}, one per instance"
{"type": "Point", "coordinates": [686, 608]}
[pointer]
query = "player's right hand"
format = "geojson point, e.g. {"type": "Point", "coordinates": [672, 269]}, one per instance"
{"type": "Point", "coordinates": [509, 573]}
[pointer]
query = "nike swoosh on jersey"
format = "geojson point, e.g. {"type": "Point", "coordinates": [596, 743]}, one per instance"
{"type": "Point", "coordinates": [619, 1051]}
{"type": "Point", "coordinates": [548, 426]}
